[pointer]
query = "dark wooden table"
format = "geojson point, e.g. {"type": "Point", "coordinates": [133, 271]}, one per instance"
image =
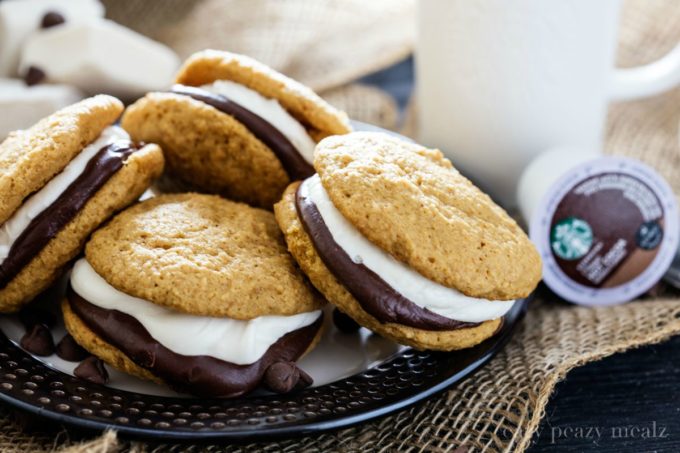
{"type": "Point", "coordinates": [629, 402]}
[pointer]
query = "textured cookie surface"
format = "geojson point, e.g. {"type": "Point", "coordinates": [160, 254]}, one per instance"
{"type": "Point", "coordinates": [203, 255]}
{"type": "Point", "coordinates": [301, 247]}
{"type": "Point", "coordinates": [316, 114]}
{"type": "Point", "coordinates": [412, 203]}
{"type": "Point", "coordinates": [30, 158]}
{"type": "Point", "coordinates": [124, 187]}
{"type": "Point", "coordinates": [207, 149]}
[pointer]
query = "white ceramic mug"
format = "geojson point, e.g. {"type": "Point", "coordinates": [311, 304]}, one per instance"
{"type": "Point", "coordinates": [500, 81]}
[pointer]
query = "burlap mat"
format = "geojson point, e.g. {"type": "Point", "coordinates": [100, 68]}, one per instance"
{"type": "Point", "coordinates": [322, 43]}
{"type": "Point", "coordinates": [499, 408]}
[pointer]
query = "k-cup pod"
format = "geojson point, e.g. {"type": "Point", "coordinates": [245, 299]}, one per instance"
{"type": "Point", "coordinates": [542, 173]}
{"type": "Point", "coordinates": [606, 227]}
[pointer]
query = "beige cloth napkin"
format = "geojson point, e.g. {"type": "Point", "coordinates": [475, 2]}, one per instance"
{"type": "Point", "coordinates": [326, 44]}
{"type": "Point", "coordinates": [322, 43]}
{"type": "Point", "coordinates": [499, 408]}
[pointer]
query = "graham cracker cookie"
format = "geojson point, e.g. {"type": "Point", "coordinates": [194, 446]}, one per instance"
{"type": "Point", "coordinates": [411, 202]}
{"type": "Point", "coordinates": [203, 255]}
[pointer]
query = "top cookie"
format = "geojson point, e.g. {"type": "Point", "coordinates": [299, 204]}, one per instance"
{"type": "Point", "coordinates": [320, 118]}
{"type": "Point", "coordinates": [30, 158]}
{"type": "Point", "coordinates": [412, 203]}
{"type": "Point", "coordinates": [203, 255]}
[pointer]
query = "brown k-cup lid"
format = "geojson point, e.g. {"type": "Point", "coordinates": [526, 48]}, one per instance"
{"type": "Point", "coordinates": [607, 230]}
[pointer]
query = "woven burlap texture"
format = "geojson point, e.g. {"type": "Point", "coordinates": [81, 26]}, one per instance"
{"type": "Point", "coordinates": [322, 43]}
{"type": "Point", "coordinates": [498, 408]}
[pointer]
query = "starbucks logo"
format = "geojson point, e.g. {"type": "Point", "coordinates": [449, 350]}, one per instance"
{"type": "Point", "coordinates": [571, 238]}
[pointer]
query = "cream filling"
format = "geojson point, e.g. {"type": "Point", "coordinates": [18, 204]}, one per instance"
{"type": "Point", "coordinates": [270, 110]}
{"type": "Point", "coordinates": [231, 340]}
{"type": "Point", "coordinates": [421, 291]}
{"type": "Point", "coordinates": [41, 200]}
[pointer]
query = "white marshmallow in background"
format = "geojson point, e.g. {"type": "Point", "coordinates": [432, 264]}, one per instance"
{"type": "Point", "coordinates": [100, 56]}
{"type": "Point", "coordinates": [22, 106]}
{"type": "Point", "coordinates": [20, 18]}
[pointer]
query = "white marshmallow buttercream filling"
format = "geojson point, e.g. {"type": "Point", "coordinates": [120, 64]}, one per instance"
{"type": "Point", "coordinates": [270, 110]}
{"type": "Point", "coordinates": [412, 285]}
{"type": "Point", "coordinates": [42, 199]}
{"type": "Point", "coordinates": [232, 340]}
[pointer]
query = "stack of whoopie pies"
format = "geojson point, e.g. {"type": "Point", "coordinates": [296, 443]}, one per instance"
{"type": "Point", "coordinates": [214, 297]}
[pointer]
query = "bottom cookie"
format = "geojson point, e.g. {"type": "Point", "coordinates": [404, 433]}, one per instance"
{"type": "Point", "coordinates": [96, 346]}
{"type": "Point", "coordinates": [244, 378]}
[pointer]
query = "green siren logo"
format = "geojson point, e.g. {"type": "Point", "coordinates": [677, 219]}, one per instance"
{"type": "Point", "coordinates": [571, 238]}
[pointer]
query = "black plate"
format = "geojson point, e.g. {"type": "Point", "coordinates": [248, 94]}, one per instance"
{"type": "Point", "coordinates": [398, 382]}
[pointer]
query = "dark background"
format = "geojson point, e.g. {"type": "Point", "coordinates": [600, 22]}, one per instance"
{"type": "Point", "coordinates": [629, 402]}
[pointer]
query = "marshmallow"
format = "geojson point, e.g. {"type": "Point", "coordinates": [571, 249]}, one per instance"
{"type": "Point", "coordinates": [241, 342]}
{"type": "Point", "coordinates": [101, 57]}
{"type": "Point", "coordinates": [270, 110]}
{"type": "Point", "coordinates": [22, 106]}
{"type": "Point", "coordinates": [425, 293]}
{"type": "Point", "coordinates": [20, 18]}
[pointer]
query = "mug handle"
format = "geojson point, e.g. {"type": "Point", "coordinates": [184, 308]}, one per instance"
{"type": "Point", "coordinates": [647, 80]}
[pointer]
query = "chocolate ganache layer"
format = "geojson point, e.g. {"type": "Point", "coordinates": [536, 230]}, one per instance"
{"type": "Point", "coordinates": [43, 228]}
{"type": "Point", "coordinates": [197, 375]}
{"type": "Point", "coordinates": [374, 295]}
{"type": "Point", "coordinates": [291, 159]}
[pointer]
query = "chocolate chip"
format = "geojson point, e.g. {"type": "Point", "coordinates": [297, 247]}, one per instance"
{"type": "Point", "coordinates": [283, 377]}
{"type": "Point", "coordinates": [30, 316]}
{"type": "Point", "coordinates": [92, 369]}
{"type": "Point", "coordinates": [145, 358]}
{"type": "Point", "coordinates": [38, 340]}
{"type": "Point", "coordinates": [305, 379]}
{"type": "Point", "coordinates": [344, 323]}
{"type": "Point", "coordinates": [69, 350]}
{"type": "Point", "coordinates": [34, 76]}
{"type": "Point", "coordinates": [52, 18]}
